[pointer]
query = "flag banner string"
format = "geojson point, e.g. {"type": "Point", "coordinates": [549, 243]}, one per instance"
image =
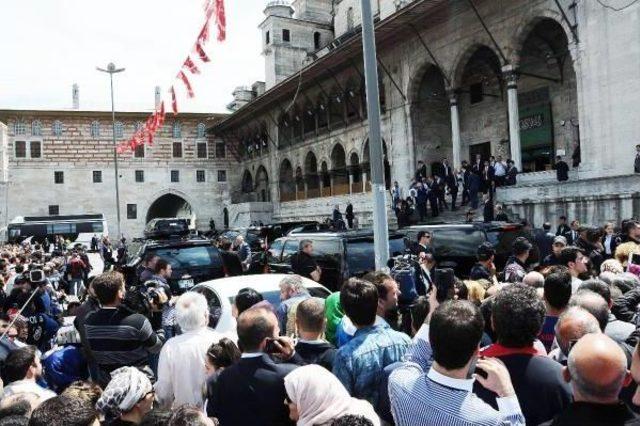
{"type": "Point", "coordinates": [213, 9]}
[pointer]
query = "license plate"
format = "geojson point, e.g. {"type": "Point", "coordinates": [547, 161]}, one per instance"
{"type": "Point", "coordinates": [188, 283]}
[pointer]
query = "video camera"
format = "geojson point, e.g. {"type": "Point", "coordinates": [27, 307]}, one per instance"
{"type": "Point", "coordinates": [143, 298]}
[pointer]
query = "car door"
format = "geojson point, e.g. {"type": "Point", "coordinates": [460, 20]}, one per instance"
{"type": "Point", "coordinates": [283, 265]}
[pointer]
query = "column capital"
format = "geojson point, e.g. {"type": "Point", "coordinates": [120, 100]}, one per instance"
{"type": "Point", "coordinates": [452, 94]}
{"type": "Point", "coordinates": [510, 74]}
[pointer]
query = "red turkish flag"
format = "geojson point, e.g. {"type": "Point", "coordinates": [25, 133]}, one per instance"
{"type": "Point", "coordinates": [174, 102]}
{"type": "Point", "coordinates": [161, 115]}
{"type": "Point", "coordinates": [221, 20]}
{"type": "Point", "coordinates": [182, 76]}
{"type": "Point", "coordinates": [191, 66]}
{"type": "Point", "coordinates": [201, 53]}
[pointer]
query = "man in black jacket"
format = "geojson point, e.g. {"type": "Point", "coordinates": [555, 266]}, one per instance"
{"type": "Point", "coordinates": [251, 392]}
{"type": "Point", "coordinates": [230, 259]}
{"type": "Point", "coordinates": [517, 318]}
{"type": "Point", "coordinates": [310, 323]}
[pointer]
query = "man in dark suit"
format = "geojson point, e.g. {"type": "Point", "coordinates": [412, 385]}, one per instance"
{"type": "Point", "coordinates": [512, 172]}
{"type": "Point", "coordinates": [562, 169]}
{"type": "Point", "coordinates": [563, 228]}
{"type": "Point", "coordinates": [465, 183]}
{"type": "Point", "coordinates": [478, 166]}
{"type": "Point", "coordinates": [251, 392]}
{"type": "Point", "coordinates": [421, 171]}
{"type": "Point", "coordinates": [574, 233]}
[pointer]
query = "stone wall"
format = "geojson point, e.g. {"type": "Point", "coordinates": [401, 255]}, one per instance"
{"type": "Point", "coordinates": [31, 188]}
{"type": "Point", "coordinates": [592, 201]}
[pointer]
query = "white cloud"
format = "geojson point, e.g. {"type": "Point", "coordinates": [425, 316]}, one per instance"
{"type": "Point", "coordinates": [51, 44]}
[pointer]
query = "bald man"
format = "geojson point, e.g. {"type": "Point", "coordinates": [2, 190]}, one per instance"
{"type": "Point", "coordinates": [572, 324]}
{"type": "Point", "coordinates": [598, 306]}
{"type": "Point", "coordinates": [597, 371]}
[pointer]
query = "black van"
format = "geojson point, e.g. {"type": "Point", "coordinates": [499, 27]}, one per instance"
{"type": "Point", "coordinates": [456, 243]}
{"type": "Point", "coordinates": [340, 255]}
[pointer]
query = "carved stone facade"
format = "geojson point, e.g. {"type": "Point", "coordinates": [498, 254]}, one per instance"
{"type": "Point", "coordinates": [529, 86]}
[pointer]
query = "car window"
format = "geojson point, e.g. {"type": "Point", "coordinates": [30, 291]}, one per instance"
{"type": "Point", "coordinates": [134, 251]}
{"type": "Point", "coordinates": [361, 254]}
{"type": "Point", "coordinates": [396, 246]}
{"type": "Point", "coordinates": [275, 251]}
{"type": "Point", "coordinates": [290, 247]}
{"type": "Point", "coordinates": [215, 306]}
{"type": "Point", "coordinates": [320, 292]}
{"type": "Point", "coordinates": [187, 257]}
{"type": "Point", "coordinates": [327, 248]}
{"type": "Point", "coordinates": [273, 297]}
{"type": "Point", "coordinates": [457, 241]}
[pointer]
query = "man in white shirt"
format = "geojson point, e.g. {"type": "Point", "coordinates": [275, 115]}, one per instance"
{"type": "Point", "coordinates": [500, 168]}
{"type": "Point", "coordinates": [181, 374]}
{"type": "Point", "coordinates": [22, 369]}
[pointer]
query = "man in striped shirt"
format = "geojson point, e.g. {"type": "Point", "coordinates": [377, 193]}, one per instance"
{"type": "Point", "coordinates": [117, 338]}
{"type": "Point", "coordinates": [432, 387]}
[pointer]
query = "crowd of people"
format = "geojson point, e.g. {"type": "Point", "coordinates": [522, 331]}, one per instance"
{"type": "Point", "coordinates": [475, 181]}
{"type": "Point", "coordinates": [547, 339]}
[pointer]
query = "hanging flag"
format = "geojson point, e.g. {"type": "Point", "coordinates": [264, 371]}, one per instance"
{"type": "Point", "coordinates": [203, 37]}
{"type": "Point", "coordinates": [221, 20]}
{"type": "Point", "coordinates": [201, 53]}
{"type": "Point", "coordinates": [161, 115]}
{"type": "Point", "coordinates": [191, 66]}
{"type": "Point", "coordinates": [182, 76]}
{"type": "Point", "coordinates": [174, 102]}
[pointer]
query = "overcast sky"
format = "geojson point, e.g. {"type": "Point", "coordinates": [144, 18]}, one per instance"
{"type": "Point", "coordinates": [48, 45]}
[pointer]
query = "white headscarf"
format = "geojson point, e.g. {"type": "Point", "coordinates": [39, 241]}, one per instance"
{"type": "Point", "coordinates": [127, 387]}
{"type": "Point", "coordinates": [321, 398]}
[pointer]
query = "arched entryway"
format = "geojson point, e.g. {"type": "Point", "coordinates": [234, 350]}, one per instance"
{"type": "Point", "coordinates": [287, 183]}
{"type": "Point", "coordinates": [247, 182]}
{"type": "Point", "coordinates": [262, 185]}
{"type": "Point", "coordinates": [225, 218]}
{"type": "Point", "coordinates": [339, 171]}
{"type": "Point", "coordinates": [311, 175]}
{"type": "Point", "coordinates": [547, 96]}
{"type": "Point", "coordinates": [431, 118]}
{"type": "Point", "coordinates": [170, 205]}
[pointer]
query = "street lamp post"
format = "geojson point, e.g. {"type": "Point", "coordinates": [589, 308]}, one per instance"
{"type": "Point", "coordinates": [111, 70]}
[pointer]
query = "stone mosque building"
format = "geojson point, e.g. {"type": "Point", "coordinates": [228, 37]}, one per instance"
{"type": "Point", "coordinates": [523, 79]}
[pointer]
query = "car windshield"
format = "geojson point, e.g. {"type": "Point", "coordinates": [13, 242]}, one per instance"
{"type": "Point", "coordinates": [189, 257]}
{"type": "Point", "coordinates": [361, 256]}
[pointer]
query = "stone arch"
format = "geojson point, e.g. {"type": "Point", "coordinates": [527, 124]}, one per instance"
{"type": "Point", "coordinates": [431, 117]}
{"type": "Point", "coordinates": [311, 175]}
{"type": "Point", "coordinates": [459, 64]}
{"type": "Point", "coordinates": [262, 184]}
{"type": "Point", "coordinates": [339, 170]}
{"type": "Point", "coordinates": [527, 24]}
{"type": "Point", "coordinates": [417, 74]}
{"type": "Point", "coordinates": [286, 181]}
{"type": "Point", "coordinates": [170, 204]}
{"type": "Point", "coordinates": [247, 182]}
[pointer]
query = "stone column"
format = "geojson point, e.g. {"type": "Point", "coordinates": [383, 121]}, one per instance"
{"type": "Point", "coordinates": [321, 185]}
{"type": "Point", "coordinates": [455, 130]}
{"type": "Point", "coordinates": [364, 181]}
{"type": "Point", "coordinates": [514, 116]}
{"type": "Point", "coordinates": [306, 189]}
{"type": "Point", "coordinates": [350, 182]}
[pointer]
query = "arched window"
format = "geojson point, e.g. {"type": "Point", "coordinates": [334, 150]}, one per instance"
{"type": "Point", "coordinates": [57, 128]}
{"type": "Point", "coordinates": [176, 131]}
{"type": "Point", "coordinates": [201, 130]}
{"type": "Point", "coordinates": [20, 128]}
{"type": "Point", "coordinates": [119, 129]}
{"type": "Point", "coordinates": [95, 129]}
{"type": "Point", "coordinates": [36, 128]}
{"type": "Point", "coordinates": [284, 131]}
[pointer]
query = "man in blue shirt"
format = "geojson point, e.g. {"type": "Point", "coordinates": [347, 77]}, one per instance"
{"type": "Point", "coordinates": [432, 387]}
{"type": "Point", "coordinates": [360, 364]}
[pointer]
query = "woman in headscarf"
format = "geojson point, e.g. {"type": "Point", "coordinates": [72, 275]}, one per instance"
{"type": "Point", "coordinates": [127, 398]}
{"type": "Point", "coordinates": [315, 397]}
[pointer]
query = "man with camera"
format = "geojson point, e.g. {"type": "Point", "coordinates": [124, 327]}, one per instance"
{"type": "Point", "coordinates": [115, 336]}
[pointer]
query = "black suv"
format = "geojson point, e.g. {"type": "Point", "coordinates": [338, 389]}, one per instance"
{"type": "Point", "coordinates": [340, 255]}
{"type": "Point", "coordinates": [193, 259]}
{"type": "Point", "coordinates": [455, 244]}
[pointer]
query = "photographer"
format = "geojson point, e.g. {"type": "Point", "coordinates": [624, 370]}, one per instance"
{"type": "Point", "coordinates": [117, 337]}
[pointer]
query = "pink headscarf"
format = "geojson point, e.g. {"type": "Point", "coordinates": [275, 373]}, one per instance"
{"type": "Point", "coordinates": [321, 398]}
